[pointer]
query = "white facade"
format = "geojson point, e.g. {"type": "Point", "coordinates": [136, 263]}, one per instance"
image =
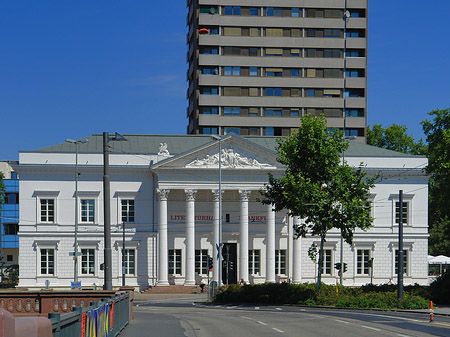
{"type": "Point", "coordinates": [170, 204]}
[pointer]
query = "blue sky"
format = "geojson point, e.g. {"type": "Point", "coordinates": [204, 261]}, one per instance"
{"type": "Point", "coordinates": [72, 68]}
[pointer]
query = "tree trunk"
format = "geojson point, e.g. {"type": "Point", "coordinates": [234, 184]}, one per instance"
{"type": "Point", "coordinates": [320, 264]}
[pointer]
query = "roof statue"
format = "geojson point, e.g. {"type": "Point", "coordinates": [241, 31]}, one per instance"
{"type": "Point", "coordinates": [163, 150]}
{"type": "Point", "coordinates": [230, 159]}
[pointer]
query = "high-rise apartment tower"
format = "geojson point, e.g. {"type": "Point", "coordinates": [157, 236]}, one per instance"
{"type": "Point", "coordinates": [256, 66]}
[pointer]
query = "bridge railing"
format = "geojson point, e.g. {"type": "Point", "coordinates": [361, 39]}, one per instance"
{"type": "Point", "coordinates": [105, 318]}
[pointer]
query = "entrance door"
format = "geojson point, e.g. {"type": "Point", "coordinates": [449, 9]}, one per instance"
{"type": "Point", "coordinates": [229, 266]}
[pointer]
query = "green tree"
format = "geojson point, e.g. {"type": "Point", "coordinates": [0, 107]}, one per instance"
{"type": "Point", "coordinates": [437, 132]}
{"type": "Point", "coordinates": [317, 187]}
{"type": "Point", "coordinates": [395, 138]}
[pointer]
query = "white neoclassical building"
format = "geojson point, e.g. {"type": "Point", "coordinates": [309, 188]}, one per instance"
{"type": "Point", "coordinates": [165, 191]}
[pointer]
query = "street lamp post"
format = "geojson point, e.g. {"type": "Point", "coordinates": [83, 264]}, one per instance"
{"type": "Point", "coordinates": [346, 17]}
{"type": "Point", "coordinates": [219, 244]}
{"type": "Point", "coordinates": [123, 255]}
{"type": "Point", "coordinates": [75, 255]}
{"type": "Point", "coordinates": [107, 208]}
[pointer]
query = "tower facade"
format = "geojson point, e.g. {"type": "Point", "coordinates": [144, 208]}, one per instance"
{"type": "Point", "coordinates": [256, 66]}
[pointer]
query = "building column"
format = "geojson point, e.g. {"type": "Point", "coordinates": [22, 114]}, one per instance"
{"type": "Point", "coordinates": [190, 237]}
{"type": "Point", "coordinates": [163, 262]}
{"type": "Point", "coordinates": [243, 237]}
{"type": "Point", "coordinates": [297, 255]}
{"type": "Point", "coordinates": [216, 242]}
{"type": "Point", "coordinates": [270, 245]}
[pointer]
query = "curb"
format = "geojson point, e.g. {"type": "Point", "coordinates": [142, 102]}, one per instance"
{"type": "Point", "coordinates": [332, 308]}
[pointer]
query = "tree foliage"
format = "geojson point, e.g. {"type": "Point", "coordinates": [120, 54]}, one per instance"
{"type": "Point", "coordinates": [317, 187]}
{"type": "Point", "coordinates": [395, 138]}
{"type": "Point", "coordinates": [437, 132]}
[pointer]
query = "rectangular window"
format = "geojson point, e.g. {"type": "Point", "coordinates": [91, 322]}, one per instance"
{"type": "Point", "coordinates": [87, 210]}
{"type": "Point", "coordinates": [253, 112]}
{"type": "Point", "coordinates": [232, 71]}
{"type": "Point", "coordinates": [232, 91]}
{"type": "Point", "coordinates": [254, 11]}
{"type": "Point", "coordinates": [295, 12]}
{"type": "Point", "coordinates": [354, 113]}
{"type": "Point", "coordinates": [174, 261]}
{"type": "Point", "coordinates": [11, 198]}
{"type": "Point", "coordinates": [127, 211]}
{"type": "Point", "coordinates": [274, 72]}
{"type": "Point", "coordinates": [232, 111]}
{"type": "Point", "coordinates": [295, 73]}
{"type": "Point", "coordinates": [47, 210]}
{"type": "Point", "coordinates": [254, 261]}
{"type": "Point", "coordinates": [295, 113]}
{"type": "Point", "coordinates": [253, 51]}
{"type": "Point", "coordinates": [232, 31]}
{"type": "Point", "coordinates": [274, 52]}
{"type": "Point", "coordinates": [253, 71]}
{"type": "Point", "coordinates": [405, 212]}
{"type": "Point", "coordinates": [295, 52]}
{"type": "Point", "coordinates": [405, 262]}
{"type": "Point", "coordinates": [47, 261]}
{"type": "Point", "coordinates": [11, 228]}
{"type": "Point", "coordinates": [210, 131]}
{"type": "Point", "coordinates": [130, 261]}
{"type": "Point", "coordinates": [201, 261]}
{"type": "Point", "coordinates": [88, 261]}
{"type": "Point", "coordinates": [209, 90]}
{"type": "Point", "coordinates": [209, 50]}
{"type": "Point", "coordinates": [327, 263]}
{"type": "Point", "coordinates": [209, 110]}
{"type": "Point", "coordinates": [269, 131]}
{"type": "Point", "coordinates": [274, 32]}
{"type": "Point", "coordinates": [362, 263]}
{"type": "Point", "coordinates": [311, 92]}
{"type": "Point", "coordinates": [253, 92]}
{"type": "Point", "coordinates": [280, 262]}
{"type": "Point", "coordinates": [253, 31]}
{"type": "Point", "coordinates": [230, 130]}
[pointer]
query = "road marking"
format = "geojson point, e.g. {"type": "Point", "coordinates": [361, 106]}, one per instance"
{"type": "Point", "coordinates": [369, 327]}
{"type": "Point", "coordinates": [302, 309]}
{"type": "Point", "coordinates": [247, 318]}
{"type": "Point", "coordinates": [262, 323]}
{"type": "Point", "coordinates": [256, 308]}
{"type": "Point", "coordinates": [278, 309]}
{"type": "Point", "coordinates": [338, 320]}
{"type": "Point", "coordinates": [278, 330]}
{"type": "Point", "coordinates": [400, 335]}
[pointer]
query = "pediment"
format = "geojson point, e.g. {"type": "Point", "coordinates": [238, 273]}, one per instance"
{"type": "Point", "coordinates": [237, 154]}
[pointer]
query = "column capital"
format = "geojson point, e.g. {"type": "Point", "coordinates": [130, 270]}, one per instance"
{"type": "Point", "coordinates": [244, 194]}
{"type": "Point", "coordinates": [163, 194]}
{"type": "Point", "coordinates": [216, 194]}
{"type": "Point", "coordinates": [190, 194]}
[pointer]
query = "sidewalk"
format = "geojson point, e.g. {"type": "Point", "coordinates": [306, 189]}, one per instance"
{"type": "Point", "coordinates": [154, 297]}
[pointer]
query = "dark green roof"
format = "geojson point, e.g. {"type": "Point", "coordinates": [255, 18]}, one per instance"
{"type": "Point", "coordinates": [177, 144]}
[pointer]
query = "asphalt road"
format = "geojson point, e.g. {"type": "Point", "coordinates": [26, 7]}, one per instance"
{"type": "Point", "coordinates": [178, 317]}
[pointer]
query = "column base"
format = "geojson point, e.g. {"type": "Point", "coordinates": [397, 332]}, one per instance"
{"type": "Point", "coordinates": [189, 283]}
{"type": "Point", "coordinates": [163, 283]}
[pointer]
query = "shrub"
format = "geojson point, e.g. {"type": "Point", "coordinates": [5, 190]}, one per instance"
{"type": "Point", "coordinates": [383, 297]}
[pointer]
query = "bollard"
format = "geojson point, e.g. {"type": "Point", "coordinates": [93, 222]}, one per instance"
{"type": "Point", "coordinates": [431, 311]}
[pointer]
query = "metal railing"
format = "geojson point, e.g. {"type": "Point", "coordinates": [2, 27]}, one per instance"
{"type": "Point", "coordinates": [101, 319]}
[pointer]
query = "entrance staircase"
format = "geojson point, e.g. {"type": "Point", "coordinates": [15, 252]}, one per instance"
{"type": "Point", "coordinates": [172, 289]}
